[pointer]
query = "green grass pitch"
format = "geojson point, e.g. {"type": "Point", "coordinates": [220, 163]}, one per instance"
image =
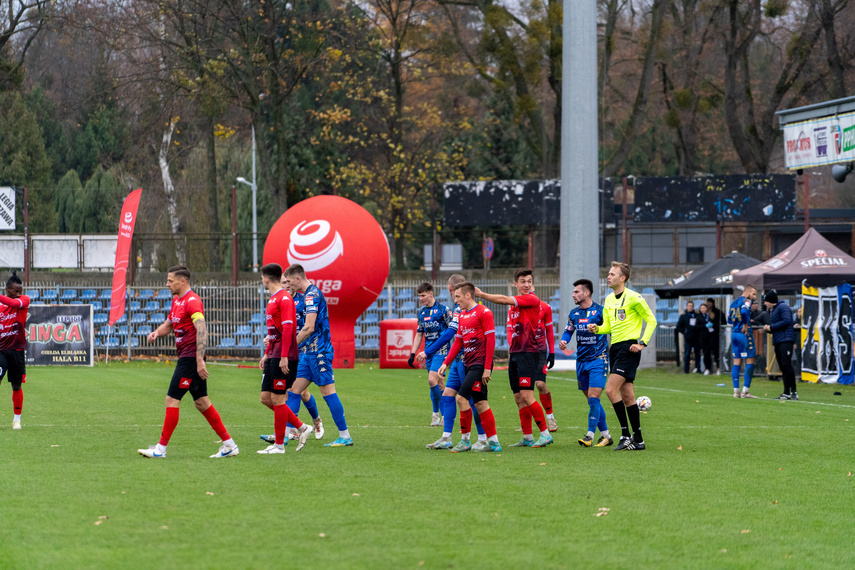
{"type": "Point", "coordinates": [724, 483]}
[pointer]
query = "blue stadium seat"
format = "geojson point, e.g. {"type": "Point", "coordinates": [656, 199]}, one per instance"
{"type": "Point", "coordinates": [501, 332]}
{"type": "Point", "coordinates": [134, 342]}
{"type": "Point", "coordinates": [648, 291]}
{"type": "Point", "coordinates": [227, 342]}
{"type": "Point", "coordinates": [100, 318]}
{"type": "Point", "coordinates": [371, 318]}
{"type": "Point", "coordinates": [256, 318]}
{"type": "Point", "coordinates": [389, 316]}
{"type": "Point", "coordinates": [245, 342]}
{"type": "Point", "coordinates": [151, 306]}
{"type": "Point", "coordinates": [404, 294]}
{"type": "Point", "coordinates": [372, 331]}
{"type": "Point", "coordinates": [411, 316]}
{"type": "Point", "coordinates": [68, 295]}
{"type": "Point", "coordinates": [88, 294]}
{"type": "Point", "coordinates": [372, 343]}
{"type": "Point", "coordinates": [123, 319]}
{"type": "Point", "coordinates": [138, 319]}
{"type": "Point", "coordinates": [106, 294]}
{"type": "Point", "coordinates": [146, 294]}
{"type": "Point", "coordinates": [122, 330]}
{"type": "Point", "coordinates": [97, 305]}
{"type": "Point", "coordinates": [556, 296]}
{"type": "Point", "coordinates": [33, 294]}
{"type": "Point", "coordinates": [243, 330]}
{"type": "Point", "coordinates": [443, 295]}
{"type": "Point", "coordinates": [357, 330]}
{"type": "Point", "coordinates": [143, 330]}
{"type": "Point", "coordinates": [164, 295]}
{"type": "Point", "coordinates": [384, 295]}
{"type": "Point", "coordinates": [134, 306]}
{"type": "Point", "coordinates": [555, 306]}
{"type": "Point", "coordinates": [408, 306]}
{"type": "Point", "coordinates": [157, 318]}
{"type": "Point", "coordinates": [357, 342]}
{"type": "Point", "coordinates": [261, 330]}
{"type": "Point", "coordinates": [98, 343]}
{"type": "Point", "coordinates": [113, 342]}
{"type": "Point", "coordinates": [77, 302]}
{"type": "Point", "coordinates": [50, 295]}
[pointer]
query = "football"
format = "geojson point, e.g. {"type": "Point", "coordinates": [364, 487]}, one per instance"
{"type": "Point", "coordinates": [644, 403]}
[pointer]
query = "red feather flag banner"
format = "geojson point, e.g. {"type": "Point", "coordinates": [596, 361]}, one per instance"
{"type": "Point", "coordinates": [123, 249]}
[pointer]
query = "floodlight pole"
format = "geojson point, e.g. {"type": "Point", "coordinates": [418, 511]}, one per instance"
{"type": "Point", "coordinates": [254, 186]}
{"type": "Point", "coordinates": [580, 223]}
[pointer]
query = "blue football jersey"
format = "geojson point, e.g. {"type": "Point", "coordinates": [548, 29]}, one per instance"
{"type": "Point", "coordinates": [453, 324]}
{"type": "Point", "coordinates": [300, 307]}
{"type": "Point", "coordinates": [739, 313]}
{"type": "Point", "coordinates": [589, 346]}
{"type": "Point", "coordinates": [319, 341]}
{"type": "Point", "coordinates": [432, 322]}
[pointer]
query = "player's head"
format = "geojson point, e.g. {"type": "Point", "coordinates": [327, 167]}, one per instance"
{"type": "Point", "coordinates": [14, 286]}
{"type": "Point", "coordinates": [750, 292]}
{"type": "Point", "coordinates": [618, 274]}
{"type": "Point", "coordinates": [271, 273]}
{"type": "Point", "coordinates": [690, 306]}
{"type": "Point", "coordinates": [286, 282]}
{"type": "Point", "coordinates": [297, 276]}
{"type": "Point", "coordinates": [771, 299]}
{"type": "Point", "coordinates": [711, 303]}
{"type": "Point", "coordinates": [454, 281]}
{"type": "Point", "coordinates": [425, 293]}
{"type": "Point", "coordinates": [464, 295]}
{"type": "Point", "coordinates": [524, 280]}
{"type": "Point", "coordinates": [582, 289]}
{"type": "Point", "coordinates": [177, 279]}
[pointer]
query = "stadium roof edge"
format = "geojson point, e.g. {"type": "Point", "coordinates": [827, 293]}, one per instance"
{"type": "Point", "coordinates": [816, 111]}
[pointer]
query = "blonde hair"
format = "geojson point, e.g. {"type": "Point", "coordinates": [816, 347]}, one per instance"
{"type": "Point", "coordinates": [624, 268]}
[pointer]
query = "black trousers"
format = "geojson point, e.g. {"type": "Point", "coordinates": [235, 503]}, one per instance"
{"type": "Point", "coordinates": [691, 345]}
{"type": "Point", "coordinates": [784, 354]}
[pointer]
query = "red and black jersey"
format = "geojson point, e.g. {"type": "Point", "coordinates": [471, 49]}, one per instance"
{"type": "Point", "coordinates": [184, 312]}
{"type": "Point", "coordinates": [476, 337]}
{"type": "Point", "coordinates": [13, 321]}
{"type": "Point", "coordinates": [545, 332]}
{"type": "Point", "coordinates": [523, 319]}
{"type": "Point", "coordinates": [281, 326]}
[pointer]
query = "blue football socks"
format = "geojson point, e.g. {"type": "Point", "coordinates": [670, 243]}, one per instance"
{"type": "Point", "coordinates": [594, 415]}
{"type": "Point", "coordinates": [749, 374]}
{"type": "Point", "coordinates": [449, 413]}
{"type": "Point", "coordinates": [293, 403]}
{"type": "Point", "coordinates": [435, 397]}
{"type": "Point", "coordinates": [734, 373]}
{"type": "Point", "coordinates": [312, 407]}
{"type": "Point", "coordinates": [477, 418]}
{"type": "Point", "coordinates": [336, 410]}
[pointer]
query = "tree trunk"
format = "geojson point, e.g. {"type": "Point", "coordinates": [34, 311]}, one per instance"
{"type": "Point", "coordinates": [836, 69]}
{"type": "Point", "coordinates": [213, 206]}
{"type": "Point", "coordinates": [169, 190]}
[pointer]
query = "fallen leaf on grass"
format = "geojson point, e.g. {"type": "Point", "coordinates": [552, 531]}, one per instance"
{"type": "Point", "coordinates": [103, 518]}
{"type": "Point", "coordinates": [208, 493]}
{"type": "Point", "coordinates": [780, 468]}
{"type": "Point", "coordinates": [746, 531]}
{"type": "Point", "coordinates": [164, 527]}
{"type": "Point", "coordinates": [98, 523]}
{"type": "Point", "coordinates": [697, 401]}
{"type": "Point", "coordinates": [322, 535]}
{"type": "Point", "coordinates": [774, 502]}
{"type": "Point", "coordinates": [58, 446]}
{"type": "Point", "coordinates": [123, 492]}
{"type": "Point", "coordinates": [817, 412]}
{"type": "Point", "coordinates": [543, 463]}
{"type": "Point", "coordinates": [849, 474]}
{"type": "Point", "coordinates": [421, 563]}
{"type": "Point", "coordinates": [356, 494]}
{"type": "Point", "coordinates": [601, 514]}
{"type": "Point", "coordinates": [680, 448]}
{"type": "Point", "coordinates": [723, 550]}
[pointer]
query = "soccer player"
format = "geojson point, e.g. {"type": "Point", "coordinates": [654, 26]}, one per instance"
{"type": "Point", "coordinates": [13, 342]}
{"type": "Point", "coordinates": [187, 321]}
{"type": "Point", "coordinates": [623, 314]}
{"type": "Point", "coordinates": [476, 338]}
{"type": "Point", "coordinates": [546, 341]}
{"type": "Point", "coordinates": [433, 319]}
{"type": "Point", "coordinates": [523, 319]}
{"type": "Point", "coordinates": [456, 374]}
{"type": "Point", "coordinates": [279, 363]}
{"type": "Point", "coordinates": [592, 361]}
{"type": "Point", "coordinates": [742, 340]}
{"type": "Point", "coordinates": [316, 353]}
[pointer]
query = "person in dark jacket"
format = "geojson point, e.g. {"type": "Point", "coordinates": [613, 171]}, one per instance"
{"type": "Point", "coordinates": [690, 326]}
{"type": "Point", "coordinates": [783, 337]}
{"type": "Point", "coordinates": [717, 318]}
{"type": "Point", "coordinates": [707, 333]}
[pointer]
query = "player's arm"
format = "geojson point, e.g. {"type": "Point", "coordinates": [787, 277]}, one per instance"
{"type": "Point", "coordinates": [456, 347]}
{"type": "Point", "coordinates": [21, 302]}
{"type": "Point", "coordinates": [286, 333]}
{"type": "Point", "coordinates": [446, 337]}
{"type": "Point", "coordinates": [605, 327]}
{"type": "Point", "coordinates": [498, 299]}
{"type": "Point", "coordinates": [308, 327]}
{"type": "Point", "coordinates": [644, 310]}
{"type": "Point", "coordinates": [164, 329]}
{"type": "Point", "coordinates": [201, 343]}
{"type": "Point", "coordinates": [550, 342]}
{"type": "Point", "coordinates": [489, 328]}
{"type": "Point", "coordinates": [567, 335]}
{"type": "Point", "coordinates": [417, 341]}
{"type": "Point", "coordinates": [745, 313]}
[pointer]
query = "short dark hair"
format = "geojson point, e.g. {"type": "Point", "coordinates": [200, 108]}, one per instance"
{"type": "Point", "coordinates": [424, 288]}
{"type": "Point", "coordinates": [179, 271]}
{"type": "Point", "coordinates": [272, 270]}
{"type": "Point", "coordinates": [295, 269]}
{"type": "Point", "coordinates": [456, 279]}
{"type": "Point", "coordinates": [522, 272]}
{"type": "Point", "coordinates": [466, 287]}
{"type": "Point", "coordinates": [586, 283]}
{"type": "Point", "coordinates": [14, 279]}
{"type": "Point", "coordinates": [711, 301]}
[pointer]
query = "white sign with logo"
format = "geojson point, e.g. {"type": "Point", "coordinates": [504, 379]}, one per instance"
{"type": "Point", "coordinates": [820, 141]}
{"type": "Point", "coordinates": [323, 254]}
{"type": "Point", "coordinates": [7, 208]}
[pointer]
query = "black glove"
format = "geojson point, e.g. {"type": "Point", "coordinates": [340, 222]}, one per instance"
{"type": "Point", "coordinates": [551, 360]}
{"type": "Point", "coordinates": [411, 359]}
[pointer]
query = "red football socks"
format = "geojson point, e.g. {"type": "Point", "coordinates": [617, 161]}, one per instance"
{"type": "Point", "coordinates": [17, 401]}
{"type": "Point", "coordinates": [466, 421]}
{"type": "Point", "coordinates": [525, 420]}
{"type": "Point", "coordinates": [488, 422]}
{"type": "Point", "coordinates": [537, 414]}
{"type": "Point", "coordinates": [214, 419]}
{"type": "Point", "coordinates": [282, 416]}
{"type": "Point", "coordinates": [546, 402]}
{"type": "Point", "coordinates": [169, 425]}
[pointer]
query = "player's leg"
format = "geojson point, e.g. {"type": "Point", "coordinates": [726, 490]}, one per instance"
{"type": "Point", "coordinates": [185, 368]}
{"type": "Point", "coordinates": [738, 352]}
{"type": "Point", "coordinates": [598, 375]}
{"type": "Point", "coordinates": [448, 406]}
{"type": "Point", "coordinates": [528, 374]}
{"type": "Point", "coordinates": [478, 393]}
{"type": "Point", "coordinates": [312, 407]}
{"type": "Point", "coordinates": [749, 364]}
{"type": "Point", "coordinates": [465, 419]}
{"type": "Point", "coordinates": [582, 383]}
{"type": "Point", "coordinates": [435, 385]}
{"type": "Point", "coordinates": [320, 371]}
{"type": "Point", "coordinates": [613, 390]}
{"type": "Point", "coordinates": [199, 392]}
{"type": "Point", "coordinates": [543, 390]}
{"type": "Point", "coordinates": [514, 363]}
{"type": "Point", "coordinates": [13, 366]}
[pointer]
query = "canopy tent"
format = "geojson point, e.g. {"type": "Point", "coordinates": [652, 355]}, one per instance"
{"type": "Point", "coordinates": [812, 258]}
{"type": "Point", "coordinates": [713, 279]}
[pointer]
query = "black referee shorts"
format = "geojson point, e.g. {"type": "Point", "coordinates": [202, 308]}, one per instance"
{"type": "Point", "coordinates": [624, 362]}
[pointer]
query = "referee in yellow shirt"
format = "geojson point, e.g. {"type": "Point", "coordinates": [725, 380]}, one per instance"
{"type": "Point", "coordinates": [624, 311]}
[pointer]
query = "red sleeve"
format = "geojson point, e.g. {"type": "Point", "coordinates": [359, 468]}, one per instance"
{"type": "Point", "coordinates": [21, 302]}
{"type": "Point", "coordinates": [455, 348]}
{"type": "Point", "coordinates": [288, 317]}
{"type": "Point", "coordinates": [194, 306]}
{"type": "Point", "coordinates": [550, 330]}
{"type": "Point", "coordinates": [529, 300]}
{"type": "Point", "coordinates": [489, 326]}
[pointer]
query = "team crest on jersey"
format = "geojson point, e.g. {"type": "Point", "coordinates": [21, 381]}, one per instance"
{"type": "Point", "coordinates": [184, 384]}
{"type": "Point", "coordinates": [525, 381]}
{"type": "Point", "coordinates": [621, 314]}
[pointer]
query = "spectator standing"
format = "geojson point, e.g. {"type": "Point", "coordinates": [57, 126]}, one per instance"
{"type": "Point", "coordinates": [783, 338]}
{"type": "Point", "coordinates": [706, 337]}
{"type": "Point", "coordinates": [689, 325]}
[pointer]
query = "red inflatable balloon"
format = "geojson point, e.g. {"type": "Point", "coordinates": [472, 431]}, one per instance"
{"type": "Point", "coordinates": [344, 252]}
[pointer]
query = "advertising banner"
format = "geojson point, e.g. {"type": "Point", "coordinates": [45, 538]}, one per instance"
{"type": "Point", "coordinates": [123, 249]}
{"type": "Point", "coordinates": [60, 335]}
{"type": "Point", "coordinates": [396, 342]}
{"type": "Point", "coordinates": [826, 335]}
{"type": "Point", "coordinates": [820, 141]}
{"type": "Point", "coordinates": [7, 208]}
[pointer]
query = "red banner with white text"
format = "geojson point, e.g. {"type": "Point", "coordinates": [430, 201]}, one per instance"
{"type": "Point", "coordinates": [123, 248]}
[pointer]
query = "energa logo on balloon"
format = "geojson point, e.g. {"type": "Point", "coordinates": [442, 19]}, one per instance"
{"type": "Point", "coordinates": [313, 247]}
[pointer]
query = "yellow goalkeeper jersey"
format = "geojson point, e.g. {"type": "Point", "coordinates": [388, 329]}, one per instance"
{"type": "Point", "coordinates": [623, 317]}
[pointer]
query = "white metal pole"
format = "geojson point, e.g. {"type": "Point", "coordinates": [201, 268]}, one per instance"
{"type": "Point", "coordinates": [254, 209]}
{"type": "Point", "coordinates": [580, 223]}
